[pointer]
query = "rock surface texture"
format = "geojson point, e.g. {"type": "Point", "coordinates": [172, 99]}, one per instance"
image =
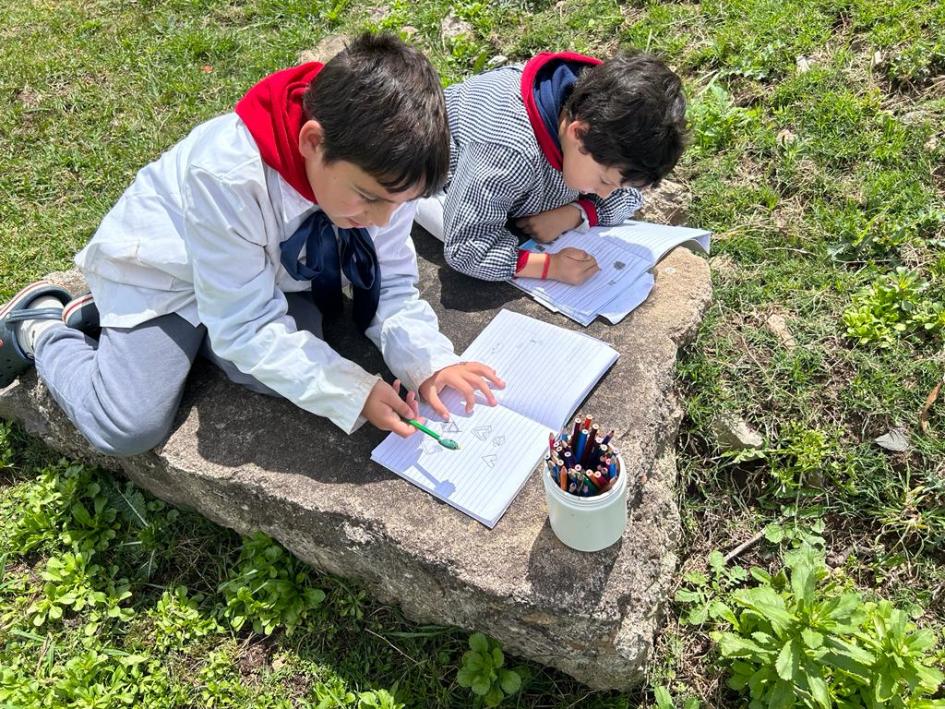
{"type": "Point", "coordinates": [251, 462]}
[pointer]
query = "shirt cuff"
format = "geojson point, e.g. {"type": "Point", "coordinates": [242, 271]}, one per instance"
{"type": "Point", "coordinates": [590, 214]}
{"type": "Point", "coordinates": [414, 376]}
{"type": "Point", "coordinates": [349, 418]}
{"type": "Point", "coordinates": [521, 260]}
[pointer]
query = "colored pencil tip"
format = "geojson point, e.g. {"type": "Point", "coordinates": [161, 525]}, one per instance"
{"type": "Point", "coordinates": [449, 443]}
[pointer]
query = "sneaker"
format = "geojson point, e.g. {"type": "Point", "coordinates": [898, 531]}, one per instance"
{"type": "Point", "coordinates": [82, 314]}
{"type": "Point", "coordinates": [13, 358]}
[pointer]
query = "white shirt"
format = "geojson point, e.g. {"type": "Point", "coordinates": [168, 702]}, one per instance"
{"type": "Point", "coordinates": [198, 233]}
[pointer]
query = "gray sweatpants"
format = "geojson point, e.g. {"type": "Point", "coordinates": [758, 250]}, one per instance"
{"type": "Point", "coordinates": [122, 391]}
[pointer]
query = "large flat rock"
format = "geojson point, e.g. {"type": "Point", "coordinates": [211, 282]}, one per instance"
{"type": "Point", "coordinates": [254, 463]}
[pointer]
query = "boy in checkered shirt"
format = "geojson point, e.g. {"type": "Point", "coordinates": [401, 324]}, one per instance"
{"type": "Point", "coordinates": [562, 142]}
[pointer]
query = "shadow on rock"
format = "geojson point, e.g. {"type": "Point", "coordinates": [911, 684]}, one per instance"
{"type": "Point", "coordinates": [457, 291]}
{"type": "Point", "coordinates": [570, 578]}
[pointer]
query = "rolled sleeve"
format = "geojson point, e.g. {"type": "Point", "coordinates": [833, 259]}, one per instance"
{"type": "Point", "coordinates": [619, 206]}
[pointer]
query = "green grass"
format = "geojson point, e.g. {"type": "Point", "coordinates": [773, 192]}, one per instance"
{"type": "Point", "coordinates": [819, 185]}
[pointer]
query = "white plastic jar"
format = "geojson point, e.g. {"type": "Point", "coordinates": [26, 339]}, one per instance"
{"type": "Point", "coordinates": [587, 523]}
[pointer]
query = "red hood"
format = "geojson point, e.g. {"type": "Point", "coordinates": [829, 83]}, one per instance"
{"type": "Point", "coordinates": [547, 143]}
{"type": "Point", "coordinates": [272, 110]}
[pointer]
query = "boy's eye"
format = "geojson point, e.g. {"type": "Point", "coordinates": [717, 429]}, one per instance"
{"type": "Point", "coordinates": [369, 200]}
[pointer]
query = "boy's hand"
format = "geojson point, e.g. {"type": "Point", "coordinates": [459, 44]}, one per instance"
{"type": "Point", "coordinates": [465, 378]}
{"type": "Point", "coordinates": [548, 226]}
{"type": "Point", "coordinates": [385, 409]}
{"type": "Point", "coordinates": [572, 266]}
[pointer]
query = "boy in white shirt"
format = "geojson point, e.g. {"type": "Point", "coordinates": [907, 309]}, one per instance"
{"type": "Point", "coordinates": [308, 185]}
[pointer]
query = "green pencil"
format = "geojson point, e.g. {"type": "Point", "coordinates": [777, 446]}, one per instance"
{"type": "Point", "coordinates": [445, 442]}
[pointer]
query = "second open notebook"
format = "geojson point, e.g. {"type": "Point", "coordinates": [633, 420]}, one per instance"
{"type": "Point", "coordinates": [548, 371]}
{"type": "Point", "coordinates": [625, 254]}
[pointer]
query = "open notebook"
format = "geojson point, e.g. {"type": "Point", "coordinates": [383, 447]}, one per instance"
{"type": "Point", "coordinates": [548, 372]}
{"type": "Point", "coordinates": [625, 254]}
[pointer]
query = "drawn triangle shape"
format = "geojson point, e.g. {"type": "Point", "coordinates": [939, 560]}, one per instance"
{"type": "Point", "coordinates": [490, 460]}
{"type": "Point", "coordinates": [482, 432]}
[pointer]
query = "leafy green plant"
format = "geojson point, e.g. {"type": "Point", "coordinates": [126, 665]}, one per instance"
{"type": "Point", "coordinates": [915, 64]}
{"type": "Point", "coordinates": [704, 591]}
{"type": "Point", "coordinates": [18, 686]}
{"type": "Point", "coordinates": [106, 677]}
{"type": "Point", "coordinates": [65, 502]}
{"type": "Point", "coordinates": [178, 620]}
{"type": "Point", "coordinates": [74, 583]}
{"type": "Point", "coordinates": [804, 459]}
{"type": "Point", "coordinates": [6, 447]}
{"type": "Point", "coordinates": [892, 307]}
{"type": "Point", "coordinates": [148, 523]}
{"type": "Point", "coordinates": [269, 588]}
{"type": "Point", "coordinates": [664, 700]}
{"type": "Point", "coordinates": [716, 120]}
{"type": "Point", "coordinates": [483, 671]}
{"type": "Point", "coordinates": [794, 534]}
{"type": "Point", "coordinates": [219, 685]}
{"type": "Point", "coordinates": [332, 692]}
{"type": "Point", "coordinates": [468, 51]}
{"type": "Point", "coordinates": [350, 602]}
{"type": "Point", "coordinates": [800, 639]}
{"type": "Point", "coordinates": [378, 699]}
{"type": "Point", "coordinates": [908, 508]}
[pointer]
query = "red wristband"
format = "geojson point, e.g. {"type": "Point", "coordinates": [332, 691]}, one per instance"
{"type": "Point", "coordinates": [544, 270]}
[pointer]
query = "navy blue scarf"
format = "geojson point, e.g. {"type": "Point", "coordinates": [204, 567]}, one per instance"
{"type": "Point", "coordinates": [551, 89]}
{"type": "Point", "coordinates": [323, 266]}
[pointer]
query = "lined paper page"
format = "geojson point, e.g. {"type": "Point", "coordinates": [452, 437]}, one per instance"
{"type": "Point", "coordinates": [627, 300]}
{"type": "Point", "coordinates": [618, 265]}
{"type": "Point", "coordinates": [548, 370]}
{"type": "Point", "coordinates": [499, 449]}
{"type": "Point", "coordinates": [653, 241]}
{"type": "Point", "coordinates": [625, 253]}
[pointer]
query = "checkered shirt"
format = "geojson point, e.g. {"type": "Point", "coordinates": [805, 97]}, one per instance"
{"type": "Point", "coordinates": [497, 172]}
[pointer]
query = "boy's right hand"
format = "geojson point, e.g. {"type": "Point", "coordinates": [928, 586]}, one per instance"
{"type": "Point", "coordinates": [572, 266]}
{"type": "Point", "coordinates": [385, 409]}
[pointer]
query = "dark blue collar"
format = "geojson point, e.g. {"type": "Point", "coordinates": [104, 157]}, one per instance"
{"type": "Point", "coordinates": [326, 257]}
{"type": "Point", "coordinates": [553, 85]}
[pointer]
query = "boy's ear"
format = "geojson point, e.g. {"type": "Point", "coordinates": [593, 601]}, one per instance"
{"type": "Point", "coordinates": [577, 129]}
{"type": "Point", "coordinates": [575, 132]}
{"type": "Point", "coordinates": [310, 139]}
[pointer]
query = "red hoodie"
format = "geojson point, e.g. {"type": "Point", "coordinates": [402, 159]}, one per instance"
{"type": "Point", "coordinates": [547, 143]}
{"type": "Point", "coordinates": [272, 110]}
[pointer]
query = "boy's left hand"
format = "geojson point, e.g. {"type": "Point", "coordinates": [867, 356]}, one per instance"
{"type": "Point", "coordinates": [466, 378]}
{"type": "Point", "coordinates": [547, 226]}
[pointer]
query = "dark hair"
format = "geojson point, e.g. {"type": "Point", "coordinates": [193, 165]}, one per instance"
{"type": "Point", "coordinates": [381, 107]}
{"type": "Point", "coordinates": [635, 111]}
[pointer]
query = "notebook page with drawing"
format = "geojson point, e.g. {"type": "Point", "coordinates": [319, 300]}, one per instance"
{"type": "Point", "coordinates": [501, 445]}
{"type": "Point", "coordinates": [618, 265]}
{"type": "Point", "coordinates": [631, 249]}
{"type": "Point", "coordinates": [499, 449]}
